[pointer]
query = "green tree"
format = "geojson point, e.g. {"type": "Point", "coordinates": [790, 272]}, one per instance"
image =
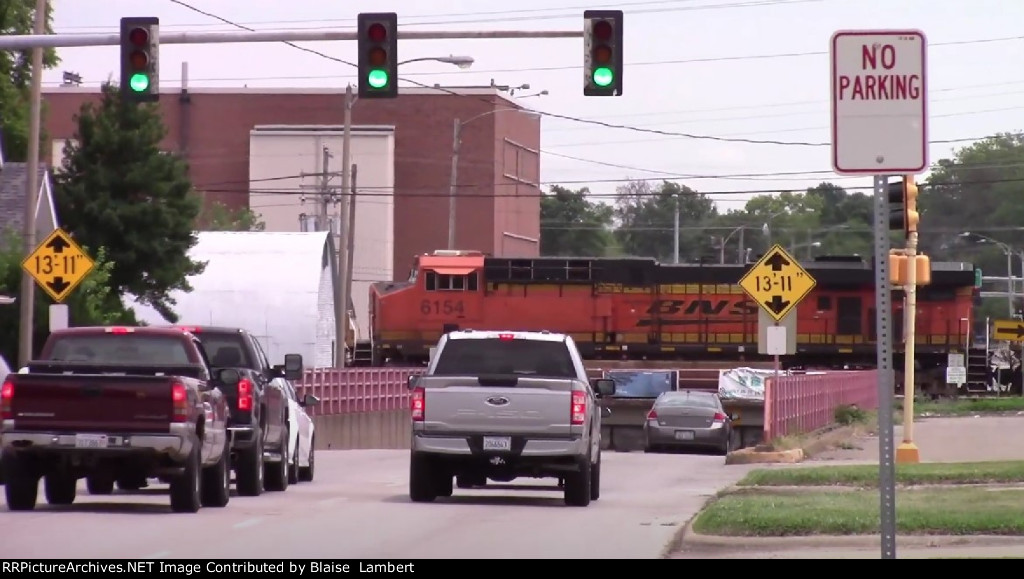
{"type": "Point", "coordinates": [219, 217]}
{"type": "Point", "coordinates": [572, 225]}
{"type": "Point", "coordinates": [90, 303]}
{"type": "Point", "coordinates": [646, 220]}
{"type": "Point", "coordinates": [17, 17]}
{"type": "Point", "coordinates": [973, 195]}
{"type": "Point", "coordinates": [119, 191]}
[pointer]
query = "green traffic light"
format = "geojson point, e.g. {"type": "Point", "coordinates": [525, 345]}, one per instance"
{"type": "Point", "coordinates": [139, 82]}
{"type": "Point", "coordinates": [377, 78]}
{"type": "Point", "coordinates": [603, 76]}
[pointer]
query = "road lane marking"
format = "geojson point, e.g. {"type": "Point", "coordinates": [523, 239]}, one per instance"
{"type": "Point", "coordinates": [327, 502]}
{"type": "Point", "coordinates": [248, 523]}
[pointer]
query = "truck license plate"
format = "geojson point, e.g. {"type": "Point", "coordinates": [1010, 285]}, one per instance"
{"type": "Point", "coordinates": [684, 435]}
{"type": "Point", "coordinates": [497, 443]}
{"type": "Point", "coordinates": [91, 441]}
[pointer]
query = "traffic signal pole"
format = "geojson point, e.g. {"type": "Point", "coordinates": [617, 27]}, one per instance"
{"type": "Point", "coordinates": [27, 41]}
{"type": "Point", "coordinates": [907, 452]}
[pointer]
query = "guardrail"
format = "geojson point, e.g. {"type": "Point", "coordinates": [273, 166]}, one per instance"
{"type": "Point", "coordinates": [804, 403]}
{"type": "Point", "coordinates": [356, 390]}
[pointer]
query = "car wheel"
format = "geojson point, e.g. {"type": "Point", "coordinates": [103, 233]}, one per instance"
{"type": "Point", "coordinates": [306, 473]}
{"type": "Point", "coordinates": [577, 485]}
{"type": "Point", "coordinates": [185, 497]}
{"type": "Point", "coordinates": [60, 489]}
{"type": "Point", "coordinates": [421, 479]}
{"type": "Point", "coordinates": [216, 482]}
{"type": "Point", "coordinates": [249, 470]}
{"type": "Point", "coordinates": [21, 483]}
{"type": "Point", "coordinates": [276, 473]}
{"type": "Point", "coordinates": [98, 484]}
{"type": "Point", "coordinates": [595, 479]}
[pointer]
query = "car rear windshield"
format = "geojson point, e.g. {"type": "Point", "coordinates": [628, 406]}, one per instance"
{"type": "Point", "coordinates": [120, 349]}
{"type": "Point", "coordinates": [476, 357]}
{"type": "Point", "coordinates": [690, 399]}
{"type": "Point", "coordinates": [225, 350]}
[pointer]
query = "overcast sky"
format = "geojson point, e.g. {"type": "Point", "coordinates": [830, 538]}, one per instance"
{"type": "Point", "coordinates": [754, 69]}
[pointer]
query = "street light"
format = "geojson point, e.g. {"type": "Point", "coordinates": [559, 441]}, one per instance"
{"type": "Point", "coordinates": [1011, 289]}
{"type": "Point", "coordinates": [462, 62]}
{"type": "Point", "coordinates": [454, 180]}
{"type": "Point", "coordinates": [348, 210]}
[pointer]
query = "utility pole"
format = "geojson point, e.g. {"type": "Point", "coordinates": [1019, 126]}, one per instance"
{"type": "Point", "coordinates": [26, 320]}
{"type": "Point", "coordinates": [343, 236]}
{"type": "Point", "coordinates": [675, 233]}
{"type": "Point", "coordinates": [453, 184]}
{"type": "Point", "coordinates": [351, 243]}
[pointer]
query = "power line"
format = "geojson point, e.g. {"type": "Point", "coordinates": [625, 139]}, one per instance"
{"type": "Point", "coordinates": [790, 175]}
{"type": "Point", "coordinates": [530, 15]}
{"type": "Point", "coordinates": [431, 192]}
{"type": "Point", "coordinates": [596, 122]}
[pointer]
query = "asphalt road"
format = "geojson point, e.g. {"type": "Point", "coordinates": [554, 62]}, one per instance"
{"type": "Point", "coordinates": [358, 507]}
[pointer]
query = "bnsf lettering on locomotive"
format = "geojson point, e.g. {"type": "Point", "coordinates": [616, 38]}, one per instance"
{"type": "Point", "coordinates": [671, 312]}
{"type": "Point", "coordinates": [702, 307]}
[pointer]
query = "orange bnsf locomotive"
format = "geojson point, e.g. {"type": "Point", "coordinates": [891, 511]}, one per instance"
{"type": "Point", "coordinates": [634, 308]}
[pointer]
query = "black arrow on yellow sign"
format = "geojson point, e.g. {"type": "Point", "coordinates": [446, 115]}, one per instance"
{"type": "Point", "coordinates": [777, 262]}
{"type": "Point", "coordinates": [58, 244]}
{"type": "Point", "coordinates": [777, 304]}
{"type": "Point", "coordinates": [58, 285]}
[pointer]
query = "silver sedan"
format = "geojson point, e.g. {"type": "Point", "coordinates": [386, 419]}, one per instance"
{"type": "Point", "coordinates": [688, 419]}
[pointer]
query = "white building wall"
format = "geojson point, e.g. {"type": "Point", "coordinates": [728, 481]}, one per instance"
{"type": "Point", "coordinates": [278, 158]}
{"type": "Point", "coordinates": [325, 321]}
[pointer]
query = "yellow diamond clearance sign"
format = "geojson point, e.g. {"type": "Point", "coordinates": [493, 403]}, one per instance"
{"type": "Point", "coordinates": [58, 265]}
{"type": "Point", "coordinates": [777, 282]}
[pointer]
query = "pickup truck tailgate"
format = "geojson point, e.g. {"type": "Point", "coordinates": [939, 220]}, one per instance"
{"type": "Point", "coordinates": [107, 403]}
{"type": "Point", "coordinates": [500, 405]}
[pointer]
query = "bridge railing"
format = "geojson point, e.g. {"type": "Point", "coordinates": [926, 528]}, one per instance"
{"type": "Point", "coordinates": [356, 390]}
{"type": "Point", "coordinates": [804, 403]}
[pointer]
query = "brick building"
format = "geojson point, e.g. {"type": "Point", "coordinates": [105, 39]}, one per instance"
{"type": "Point", "coordinates": [498, 206]}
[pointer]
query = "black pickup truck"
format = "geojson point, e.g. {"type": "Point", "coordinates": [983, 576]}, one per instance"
{"type": "Point", "coordinates": [114, 403]}
{"type": "Point", "coordinates": [258, 426]}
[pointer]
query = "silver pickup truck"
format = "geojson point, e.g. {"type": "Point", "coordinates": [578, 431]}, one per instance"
{"type": "Point", "coordinates": [504, 405]}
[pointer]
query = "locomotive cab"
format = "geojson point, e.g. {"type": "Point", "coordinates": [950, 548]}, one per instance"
{"type": "Point", "coordinates": [442, 294]}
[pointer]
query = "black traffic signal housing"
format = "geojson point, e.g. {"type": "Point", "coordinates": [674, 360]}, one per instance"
{"type": "Point", "coordinates": [378, 55]}
{"type": "Point", "coordinates": [602, 53]}
{"type": "Point", "coordinates": [903, 214]}
{"type": "Point", "coordinates": [140, 59]}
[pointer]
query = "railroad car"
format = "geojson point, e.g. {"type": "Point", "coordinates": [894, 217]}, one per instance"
{"type": "Point", "coordinates": [635, 308]}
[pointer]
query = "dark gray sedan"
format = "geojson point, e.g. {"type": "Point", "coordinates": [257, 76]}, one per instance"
{"type": "Point", "coordinates": [688, 419]}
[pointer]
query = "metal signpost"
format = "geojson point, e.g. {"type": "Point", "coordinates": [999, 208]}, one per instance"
{"type": "Point", "coordinates": [880, 127]}
{"type": "Point", "coordinates": [777, 283]}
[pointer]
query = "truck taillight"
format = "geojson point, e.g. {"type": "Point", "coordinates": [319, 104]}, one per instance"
{"type": "Point", "coordinates": [244, 394]}
{"type": "Point", "coordinates": [579, 408]}
{"type": "Point", "coordinates": [7, 400]}
{"type": "Point", "coordinates": [179, 403]}
{"type": "Point", "coordinates": [418, 404]}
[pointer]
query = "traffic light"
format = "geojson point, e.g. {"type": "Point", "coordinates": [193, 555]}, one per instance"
{"type": "Point", "coordinates": [378, 55]}
{"type": "Point", "coordinates": [903, 215]}
{"type": "Point", "coordinates": [602, 52]}
{"type": "Point", "coordinates": [140, 59]}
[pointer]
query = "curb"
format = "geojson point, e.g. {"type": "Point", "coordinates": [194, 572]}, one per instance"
{"type": "Point", "coordinates": [693, 539]}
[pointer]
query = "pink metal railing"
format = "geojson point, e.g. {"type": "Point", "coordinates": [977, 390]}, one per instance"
{"type": "Point", "coordinates": [804, 403]}
{"type": "Point", "coordinates": [352, 390]}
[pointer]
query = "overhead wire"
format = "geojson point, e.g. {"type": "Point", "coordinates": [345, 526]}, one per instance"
{"type": "Point", "coordinates": [596, 122]}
